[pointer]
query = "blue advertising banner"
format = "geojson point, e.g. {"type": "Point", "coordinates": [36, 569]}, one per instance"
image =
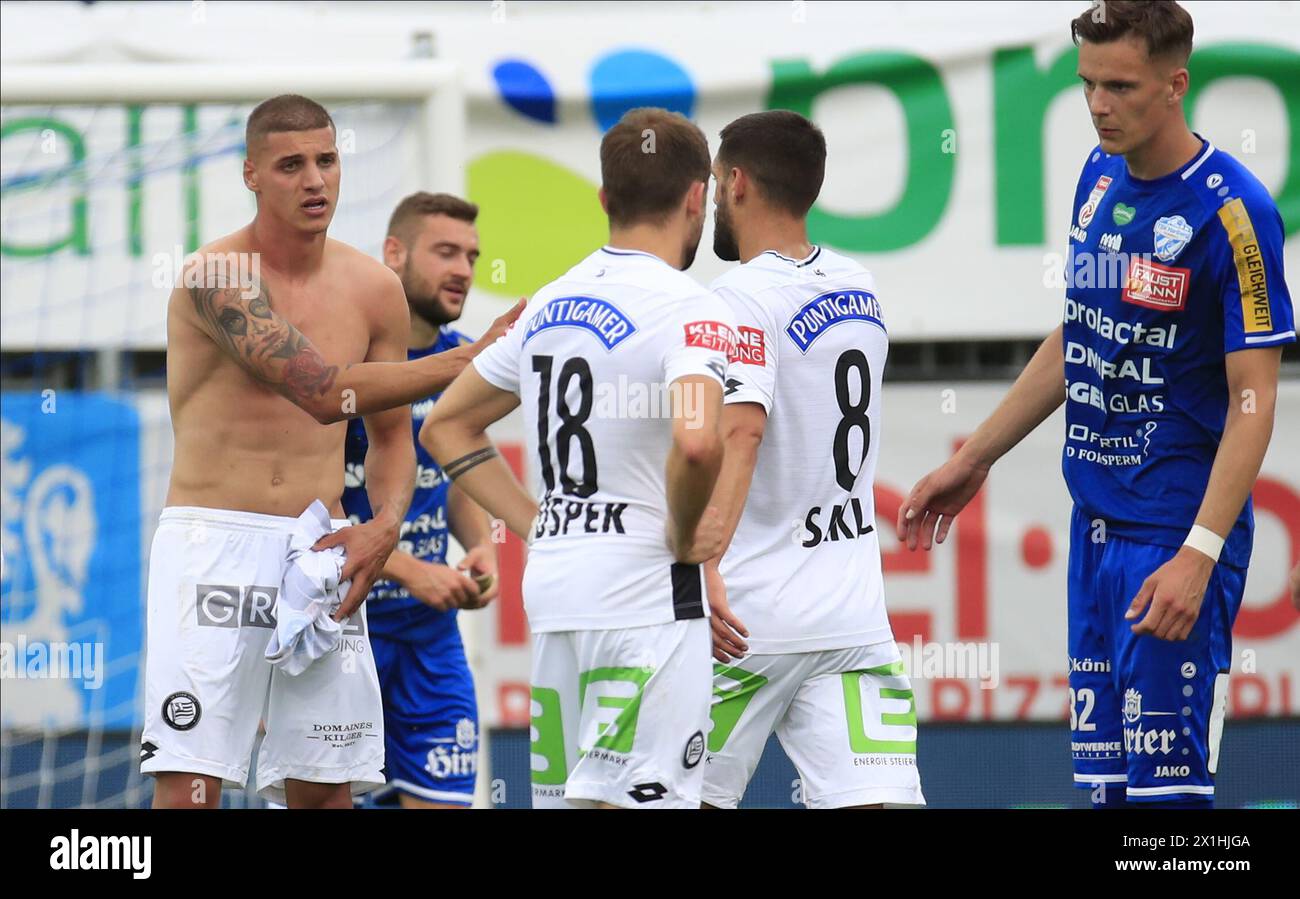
{"type": "Point", "coordinates": [71, 622]}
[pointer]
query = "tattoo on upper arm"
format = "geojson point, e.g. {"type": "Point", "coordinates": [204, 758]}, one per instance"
{"type": "Point", "coordinates": [458, 467]}
{"type": "Point", "coordinates": [263, 343]}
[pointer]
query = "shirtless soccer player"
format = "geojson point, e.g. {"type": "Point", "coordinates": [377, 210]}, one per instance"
{"type": "Point", "coordinates": [262, 373]}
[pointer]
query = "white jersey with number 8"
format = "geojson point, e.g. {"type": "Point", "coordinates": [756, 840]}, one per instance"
{"type": "Point", "coordinates": [803, 571]}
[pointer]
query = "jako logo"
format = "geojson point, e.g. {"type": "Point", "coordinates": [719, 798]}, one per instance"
{"type": "Point", "coordinates": [78, 853]}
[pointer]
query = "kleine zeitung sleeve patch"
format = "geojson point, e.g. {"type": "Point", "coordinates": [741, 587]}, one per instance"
{"type": "Point", "coordinates": [751, 347]}
{"type": "Point", "coordinates": [711, 335]}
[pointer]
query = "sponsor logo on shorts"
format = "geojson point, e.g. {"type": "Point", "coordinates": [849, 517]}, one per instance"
{"type": "Point", "coordinates": [229, 605]}
{"type": "Point", "coordinates": [1095, 749]}
{"type": "Point", "coordinates": [1173, 771]}
{"type": "Point", "coordinates": [1155, 286]}
{"type": "Point", "coordinates": [694, 750]}
{"type": "Point", "coordinates": [1132, 706]}
{"type": "Point", "coordinates": [223, 605]}
{"type": "Point", "coordinates": [1149, 742]}
{"type": "Point", "coordinates": [604, 755]}
{"type": "Point", "coordinates": [1140, 741]}
{"type": "Point", "coordinates": [342, 736]}
{"type": "Point", "coordinates": [1100, 666]}
{"type": "Point", "coordinates": [448, 759]}
{"type": "Point", "coordinates": [1189, 669]}
{"type": "Point", "coordinates": [455, 756]}
{"type": "Point", "coordinates": [181, 711]}
{"type": "Point", "coordinates": [651, 792]}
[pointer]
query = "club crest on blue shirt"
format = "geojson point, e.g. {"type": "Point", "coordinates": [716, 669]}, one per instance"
{"type": "Point", "coordinates": [1172, 234]}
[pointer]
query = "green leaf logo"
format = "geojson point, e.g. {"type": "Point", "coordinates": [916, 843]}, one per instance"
{"type": "Point", "coordinates": [1123, 214]}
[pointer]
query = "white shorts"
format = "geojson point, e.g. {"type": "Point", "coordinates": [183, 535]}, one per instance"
{"type": "Point", "coordinates": [214, 577]}
{"type": "Point", "coordinates": [845, 717]}
{"type": "Point", "coordinates": [619, 716]}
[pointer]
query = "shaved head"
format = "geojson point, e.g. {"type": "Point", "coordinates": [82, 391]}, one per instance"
{"type": "Point", "coordinates": [287, 112]}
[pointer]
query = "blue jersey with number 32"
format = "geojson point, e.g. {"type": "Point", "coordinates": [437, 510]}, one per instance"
{"type": "Point", "coordinates": [1164, 278]}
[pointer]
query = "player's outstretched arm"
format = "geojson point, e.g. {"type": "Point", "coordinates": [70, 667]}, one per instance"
{"type": "Point", "coordinates": [944, 492]}
{"type": "Point", "coordinates": [1174, 591]}
{"type": "Point", "coordinates": [693, 464]}
{"type": "Point", "coordinates": [455, 434]}
{"type": "Point", "coordinates": [240, 320]}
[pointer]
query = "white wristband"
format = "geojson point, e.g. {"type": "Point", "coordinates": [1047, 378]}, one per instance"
{"type": "Point", "coordinates": [1204, 540]}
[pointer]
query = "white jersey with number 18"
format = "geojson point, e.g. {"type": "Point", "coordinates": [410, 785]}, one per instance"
{"type": "Point", "coordinates": [803, 571]}
{"type": "Point", "coordinates": [592, 359]}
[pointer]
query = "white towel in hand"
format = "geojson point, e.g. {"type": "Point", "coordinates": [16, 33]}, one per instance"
{"type": "Point", "coordinates": [309, 595]}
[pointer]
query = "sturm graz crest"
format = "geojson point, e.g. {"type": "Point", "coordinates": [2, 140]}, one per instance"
{"type": "Point", "coordinates": [694, 750]}
{"type": "Point", "coordinates": [181, 711]}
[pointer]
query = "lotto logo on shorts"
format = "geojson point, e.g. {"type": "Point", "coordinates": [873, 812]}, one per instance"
{"type": "Point", "coordinates": [222, 605]}
{"type": "Point", "coordinates": [711, 336]}
{"type": "Point", "coordinates": [1156, 286]}
{"type": "Point", "coordinates": [751, 348]}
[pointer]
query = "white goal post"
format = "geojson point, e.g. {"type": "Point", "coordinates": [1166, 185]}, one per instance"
{"type": "Point", "coordinates": [433, 84]}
